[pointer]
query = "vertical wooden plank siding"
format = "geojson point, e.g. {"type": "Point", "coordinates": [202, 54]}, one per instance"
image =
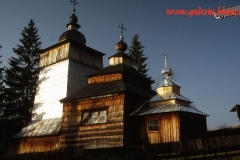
{"type": "Point", "coordinates": [54, 55]}
{"type": "Point", "coordinates": [177, 126]}
{"type": "Point", "coordinates": [85, 57]}
{"type": "Point", "coordinates": [38, 144]}
{"type": "Point", "coordinates": [69, 51]}
{"type": "Point", "coordinates": [169, 125]}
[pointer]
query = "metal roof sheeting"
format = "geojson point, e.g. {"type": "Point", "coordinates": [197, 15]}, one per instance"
{"type": "Point", "coordinates": [168, 82]}
{"type": "Point", "coordinates": [169, 96]}
{"type": "Point", "coordinates": [40, 128]}
{"type": "Point", "coordinates": [163, 108]}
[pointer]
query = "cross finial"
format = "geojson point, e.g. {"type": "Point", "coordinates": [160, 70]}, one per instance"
{"type": "Point", "coordinates": [165, 56]}
{"type": "Point", "coordinates": [74, 2]}
{"type": "Point", "coordinates": [122, 28]}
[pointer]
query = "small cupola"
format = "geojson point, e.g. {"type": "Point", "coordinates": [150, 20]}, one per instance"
{"type": "Point", "coordinates": [121, 46]}
{"type": "Point", "coordinates": [168, 85]}
{"type": "Point", "coordinates": [121, 57]}
{"type": "Point", "coordinates": [73, 22]}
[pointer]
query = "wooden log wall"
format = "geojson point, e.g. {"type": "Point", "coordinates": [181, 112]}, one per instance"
{"type": "Point", "coordinates": [38, 144]}
{"type": "Point", "coordinates": [109, 134]}
{"type": "Point", "coordinates": [169, 128]}
{"type": "Point", "coordinates": [85, 56]}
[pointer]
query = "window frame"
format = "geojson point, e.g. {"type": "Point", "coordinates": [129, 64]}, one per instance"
{"type": "Point", "coordinates": [91, 117]}
{"type": "Point", "coordinates": [153, 125]}
{"type": "Point", "coordinates": [83, 119]}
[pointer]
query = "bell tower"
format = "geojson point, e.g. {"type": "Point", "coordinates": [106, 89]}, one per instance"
{"type": "Point", "coordinates": [63, 70]}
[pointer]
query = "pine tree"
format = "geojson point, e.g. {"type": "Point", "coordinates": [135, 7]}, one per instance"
{"type": "Point", "coordinates": [2, 94]}
{"type": "Point", "coordinates": [136, 52]}
{"type": "Point", "coordinates": [21, 78]}
{"type": "Point", "coordinates": [5, 130]}
{"type": "Point", "coordinates": [1, 85]}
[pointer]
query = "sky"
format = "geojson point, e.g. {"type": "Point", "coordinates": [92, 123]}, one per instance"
{"type": "Point", "coordinates": [202, 51]}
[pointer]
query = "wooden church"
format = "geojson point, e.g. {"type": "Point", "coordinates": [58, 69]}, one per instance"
{"type": "Point", "coordinates": [101, 107]}
{"type": "Point", "coordinates": [80, 104]}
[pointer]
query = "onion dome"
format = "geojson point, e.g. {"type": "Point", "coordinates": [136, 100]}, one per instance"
{"type": "Point", "coordinates": [73, 33]}
{"type": "Point", "coordinates": [121, 46]}
{"type": "Point", "coordinates": [73, 22]}
{"type": "Point", "coordinates": [167, 72]}
{"type": "Point", "coordinates": [121, 57]}
{"type": "Point", "coordinates": [73, 19]}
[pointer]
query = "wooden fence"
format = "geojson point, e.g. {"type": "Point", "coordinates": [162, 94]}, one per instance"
{"type": "Point", "coordinates": [205, 148]}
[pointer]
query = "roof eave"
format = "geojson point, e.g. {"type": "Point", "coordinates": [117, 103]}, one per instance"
{"type": "Point", "coordinates": [234, 109]}
{"type": "Point", "coordinates": [74, 42]}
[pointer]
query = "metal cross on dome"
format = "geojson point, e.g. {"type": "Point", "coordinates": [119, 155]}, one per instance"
{"type": "Point", "coordinates": [74, 2]}
{"type": "Point", "coordinates": [122, 28]}
{"type": "Point", "coordinates": [165, 57]}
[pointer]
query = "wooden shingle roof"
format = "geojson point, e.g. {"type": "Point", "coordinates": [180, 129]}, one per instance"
{"type": "Point", "coordinates": [39, 128]}
{"type": "Point", "coordinates": [119, 68]}
{"type": "Point", "coordinates": [101, 89]}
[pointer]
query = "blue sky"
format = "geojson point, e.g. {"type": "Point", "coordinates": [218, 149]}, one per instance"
{"type": "Point", "coordinates": [202, 51]}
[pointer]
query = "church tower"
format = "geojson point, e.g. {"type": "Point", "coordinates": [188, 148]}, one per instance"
{"type": "Point", "coordinates": [63, 70]}
{"type": "Point", "coordinates": [98, 115]}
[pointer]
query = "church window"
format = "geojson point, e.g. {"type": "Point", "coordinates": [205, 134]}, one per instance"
{"type": "Point", "coordinates": [102, 116]}
{"type": "Point", "coordinates": [153, 125]}
{"type": "Point", "coordinates": [94, 117]}
{"type": "Point", "coordinates": [86, 118]}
